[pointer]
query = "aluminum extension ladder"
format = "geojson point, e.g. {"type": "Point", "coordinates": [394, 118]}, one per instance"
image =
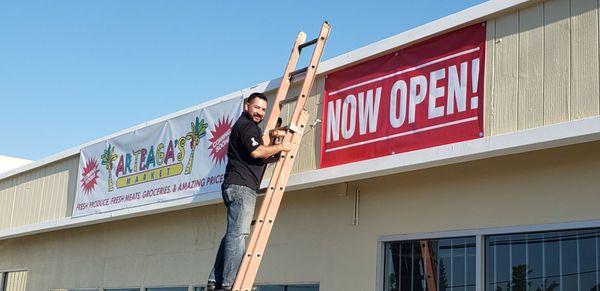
{"type": "Point", "coordinates": [283, 167]}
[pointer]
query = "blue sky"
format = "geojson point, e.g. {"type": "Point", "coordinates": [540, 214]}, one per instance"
{"type": "Point", "coordinates": [74, 71]}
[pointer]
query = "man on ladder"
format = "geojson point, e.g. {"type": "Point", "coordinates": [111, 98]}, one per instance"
{"type": "Point", "coordinates": [247, 158]}
{"type": "Point", "coordinates": [230, 253]}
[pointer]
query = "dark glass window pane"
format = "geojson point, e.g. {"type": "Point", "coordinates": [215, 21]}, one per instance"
{"type": "Point", "coordinates": [418, 273]}
{"type": "Point", "coordinates": [503, 267]}
{"type": "Point", "coordinates": [444, 264]}
{"type": "Point", "coordinates": [568, 257]}
{"type": "Point", "coordinates": [518, 256]}
{"type": "Point", "coordinates": [471, 253]}
{"type": "Point", "coordinates": [303, 288]}
{"type": "Point", "coordinates": [406, 266]}
{"type": "Point", "coordinates": [548, 261]}
{"type": "Point", "coordinates": [535, 261]}
{"type": "Point", "coordinates": [551, 261]}
{"type": "Point", "coordinates": [168, 289]}
{"type": "Point", "coordinates": [458, 265]}
{"type": "Point", "coordinates": [422, 265]}
{"type": "Point", "coordinates": [490, 258]}
{"type": "Point", "coordinates": [391, 267]}
{"type": "Point", "coordinates": [271, 288]}
{"type": "Point", "coordinates": [587, 260]}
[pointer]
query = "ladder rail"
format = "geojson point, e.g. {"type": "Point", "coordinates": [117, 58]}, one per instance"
{"type": "Point", "coordinates": [264, 225]}
{"type": "Point", "coordinates": [284, 86]}
{"type": "Point", "coordinates": [311, 71]}
{"type": "Point", "coordinates": [283, 167]}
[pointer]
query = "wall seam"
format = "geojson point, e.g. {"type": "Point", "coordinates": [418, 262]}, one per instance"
{"type": "Point", "coordinates": [12, 211]}
{"type": "Point", "coordinates": [516, 106]}
{"type": "Point", "coordinates": [571, 61]}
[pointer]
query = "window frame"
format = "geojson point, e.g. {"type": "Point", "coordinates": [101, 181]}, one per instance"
{"type": "Point", "coordinates": [147, 288]}
{"type": "Point", "coordinates": [4, 276]}
{"type": "Point", "coordinates": [480, 234]}
{"type": "Point", "coordinates": [269, 284]}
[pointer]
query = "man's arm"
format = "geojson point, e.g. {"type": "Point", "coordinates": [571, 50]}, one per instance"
{"type": "Point", "coordinates": [264, 152]}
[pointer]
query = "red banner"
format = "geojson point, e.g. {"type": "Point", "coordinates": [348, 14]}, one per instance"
{"type": "Point", "coordinates": [425, 95]}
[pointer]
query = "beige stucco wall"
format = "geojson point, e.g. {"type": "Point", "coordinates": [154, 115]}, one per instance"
{"type": "Point", "coordinates": [314, 239]}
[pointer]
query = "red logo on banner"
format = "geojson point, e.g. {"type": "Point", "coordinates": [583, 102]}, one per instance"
{"type": "Point", "coordinates": [220, 140]}
{"type": "Point", "coordinates": [421, 96]}
{"type": "Point", "coordinates": [89, 175]}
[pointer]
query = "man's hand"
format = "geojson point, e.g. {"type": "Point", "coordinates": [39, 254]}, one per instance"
{"type": "Point", "coordinates": [277, 133]}
{"type": "Point", "coordinates": [268, 151]}
{"type": "Point", "coordinates": [285, 146]}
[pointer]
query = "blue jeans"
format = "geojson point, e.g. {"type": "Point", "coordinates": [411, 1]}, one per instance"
{"type": "Point", "coordinates": [240, 202]}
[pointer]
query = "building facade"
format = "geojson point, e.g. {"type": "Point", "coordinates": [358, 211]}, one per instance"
{"type": "Point", "coordinates": [516, 209]}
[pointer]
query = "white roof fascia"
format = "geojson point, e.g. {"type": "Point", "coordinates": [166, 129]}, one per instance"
{"type": "Point", "coordinates": [555, 135]}
{"type": "Point", "coordinates": [462, 18]}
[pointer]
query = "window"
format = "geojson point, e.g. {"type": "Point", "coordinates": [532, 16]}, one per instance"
{"type": "Point", "coordinates": [13, 281]}
{"type": "Point", "coordinates": [291, 287]}
{"type": "Point", "coordinates": [168, 289]}
{"type": "Point", "coordinates": [435, 264]}
{"type": "Point", "coordinates": [287, 288]}
{"type": "Point", "coordinates": [545, 261]}
{"type": "Point", "coordinates": [122, 289]}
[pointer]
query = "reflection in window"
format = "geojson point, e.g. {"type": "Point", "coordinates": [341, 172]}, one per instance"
{"type": "Point", "coordinates": [287, 288]}
{"type": "Point", "coordinates": [549, 261]}
{"type": "Point", "coordinates": [295, 287]}
{"type": "Point", "coordinates": [438, 264]}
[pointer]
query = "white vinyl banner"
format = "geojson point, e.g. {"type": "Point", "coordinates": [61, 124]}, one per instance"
{"type": "Point", "coordinates": [176, 158]}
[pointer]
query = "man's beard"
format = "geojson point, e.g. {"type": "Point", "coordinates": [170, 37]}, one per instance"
{"type": "Point", "coordinates": [251, 117]}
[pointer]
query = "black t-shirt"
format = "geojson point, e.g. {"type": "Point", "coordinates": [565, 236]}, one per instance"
{"type": "Point", "coordinates": [242, 169]}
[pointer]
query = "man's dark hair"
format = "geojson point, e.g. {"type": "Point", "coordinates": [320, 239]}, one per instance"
{"type": "Point", "coordinates": [256, 95]}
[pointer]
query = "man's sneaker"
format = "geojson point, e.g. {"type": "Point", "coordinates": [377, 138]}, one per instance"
{"type": "Point", "coordinates": [211, 286]}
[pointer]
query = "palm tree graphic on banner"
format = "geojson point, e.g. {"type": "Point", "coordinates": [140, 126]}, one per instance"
{"type": "Point", "coordinates": [198, 131]}
{"type": "Point", "coordinates": [108, 157]}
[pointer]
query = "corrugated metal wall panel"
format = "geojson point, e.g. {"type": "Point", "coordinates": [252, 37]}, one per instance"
{"type": "Point", "coordinates": [490, 52]}
{"type": "Point", "coordinates": [7, 200]}
{"type": "Point", "coordinates": [71, 184]}
{"type": "Point", "coordinates": [55, 194]}
{"type": "Point", "coordinates": [41, 194]}
{"type": "Point", "coordinates": [308, 153]}
{"type": "Point", "coordinates": [585, 80]}
{"type": "Point", "coordinates": [29, 187]}
{"type": "Point", "coordinates": [531, 68]}
{"type": "Point", "coordinates": [557, 65]}
{"type": "Point", "coordinates": [542, 66]}
{"type": "Point", "coordinates": [506, 58]}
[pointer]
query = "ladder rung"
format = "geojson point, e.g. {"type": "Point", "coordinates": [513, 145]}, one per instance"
{"type": "Point", "coordinates": [298, 72]}
{"type": "Point", "coordinates": [308, 43]}
{"type": "Point", "coordinates": [289, 100]}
